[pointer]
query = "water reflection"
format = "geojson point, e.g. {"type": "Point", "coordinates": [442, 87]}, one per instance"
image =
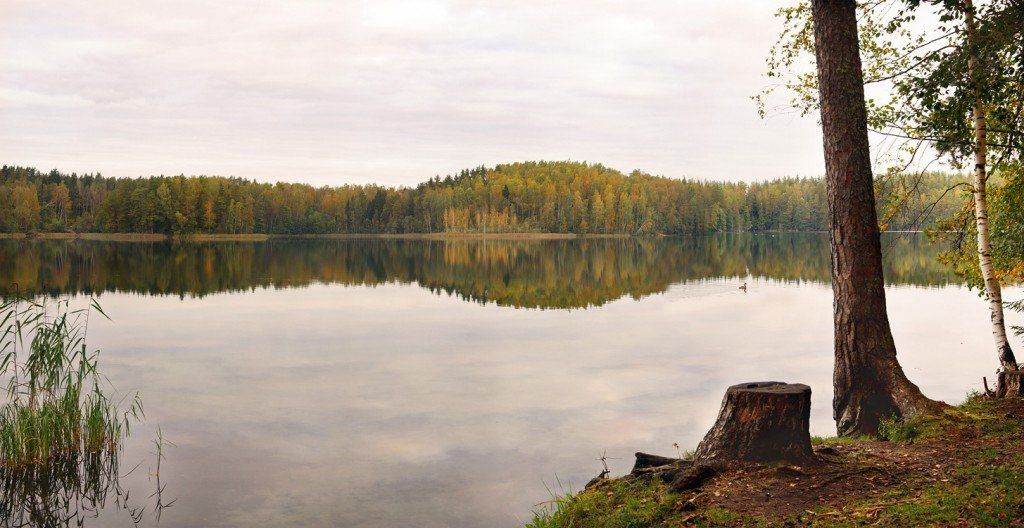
{"type": "Point", "coordinates": [65, 492]}
{"type": "Point", "coordinates": [521, 273]}
{"type": "Point", "coordinates": [325, 385]}
{"type": "Point", "coordinates": [73, 491]}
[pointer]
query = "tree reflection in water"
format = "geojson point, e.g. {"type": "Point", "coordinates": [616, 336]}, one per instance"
{"type": "Point", "coordinates": [555, 274]}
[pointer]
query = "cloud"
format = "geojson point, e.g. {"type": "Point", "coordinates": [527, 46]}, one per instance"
{"type": "Point", "coordinates": [391, 91]}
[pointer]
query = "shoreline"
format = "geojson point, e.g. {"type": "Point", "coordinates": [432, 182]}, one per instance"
{"type": "Point", "coordinates": [133, 237]}
{"type": "Point", "coordinates": [927, 471]}
{"type": "Point", "coordinates": [262, 237]}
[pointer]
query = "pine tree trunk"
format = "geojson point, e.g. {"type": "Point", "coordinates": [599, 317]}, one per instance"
{"type": "Point", "coordinates": [870, 385]}
{"type": "Point", "coordinates": [993, 291]}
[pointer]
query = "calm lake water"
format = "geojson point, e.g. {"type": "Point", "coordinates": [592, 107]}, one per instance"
{"type": "Point", "coordinates": [397, 383]}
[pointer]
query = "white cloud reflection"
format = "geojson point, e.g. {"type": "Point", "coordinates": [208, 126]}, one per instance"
{"type": "Point", "coordinates": [393, 406]}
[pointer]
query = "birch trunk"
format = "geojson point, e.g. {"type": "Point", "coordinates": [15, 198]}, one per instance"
{"type": "Point", "coordinates": [993, 291]}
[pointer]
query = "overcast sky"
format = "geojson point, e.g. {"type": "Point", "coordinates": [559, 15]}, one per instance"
{"type": "Point", "coordinates": [392, 92]}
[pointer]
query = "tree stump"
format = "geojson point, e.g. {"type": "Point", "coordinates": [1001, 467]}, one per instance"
{"type": "Point", "coordinates": [1008, 384]}
{"type": "Point", "coordinates": [767, 421]}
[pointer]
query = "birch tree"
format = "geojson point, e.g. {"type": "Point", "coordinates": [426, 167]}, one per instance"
{"type": "Point", "coordinates": [993, 290]}
{"type": "Point", "coordinates": [949, 100]}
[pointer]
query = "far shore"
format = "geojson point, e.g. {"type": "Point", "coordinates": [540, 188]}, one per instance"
{"type": "Point", "coordinates": [135, 237]}
{"type": "Point", "coordinates": [260, 237]}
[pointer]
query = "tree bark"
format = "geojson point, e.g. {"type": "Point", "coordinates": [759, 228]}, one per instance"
{"type": "Point", "coordinates": [870, 385]}
{"type": "Point", "coordinates": [993, 291]}
{"type": "Point", "coordinates": [1009, 384]}
{"type": "Point", "coordinates": [767, 421]}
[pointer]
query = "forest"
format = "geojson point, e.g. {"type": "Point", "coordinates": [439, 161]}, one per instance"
{"type": "Point", "coordinates": [555, 197]}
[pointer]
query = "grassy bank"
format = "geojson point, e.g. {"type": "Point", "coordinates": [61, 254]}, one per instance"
{"type": "Point", "coordinates": [964, 468]}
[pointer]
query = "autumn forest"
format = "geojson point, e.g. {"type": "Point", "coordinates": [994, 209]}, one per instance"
{"type": "Point", "coordinates": [554, 197]}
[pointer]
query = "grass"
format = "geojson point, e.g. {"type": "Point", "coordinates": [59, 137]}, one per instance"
{"type": "Point", "coordinates": [614, 504]}
{"type": "Point", "coordinates": [963, 468]}
{"type": "Point", "coordinates": [899, 430]}
{"type": "Point", "coordinates": [829, 440]}
{"type": "Point", "coordinates": [719, 516]}
{"type": "Point", "coordinates": [988, 497]}
{"type": "Point", "coordinates": [55, 407]}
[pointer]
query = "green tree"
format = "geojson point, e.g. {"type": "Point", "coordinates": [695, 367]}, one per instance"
{"type": "Point", "coordinates": [26, 206]}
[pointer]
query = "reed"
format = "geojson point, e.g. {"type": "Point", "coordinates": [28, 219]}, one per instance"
{"type": "Point", "coordinates": [56, 410]}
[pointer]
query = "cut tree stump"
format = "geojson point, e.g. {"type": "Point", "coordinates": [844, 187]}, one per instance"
{"type": "Point", "coordinates": [765, 421]}
{"type": "Point", "coordinates": [1008, 384]}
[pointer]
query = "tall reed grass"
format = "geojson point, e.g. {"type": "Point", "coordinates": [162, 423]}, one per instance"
{"type": "Point", "coordinates": [56, 409]}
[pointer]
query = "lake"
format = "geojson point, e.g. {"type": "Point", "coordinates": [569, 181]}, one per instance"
{"type": "Point", "coordinates": [453, 383]}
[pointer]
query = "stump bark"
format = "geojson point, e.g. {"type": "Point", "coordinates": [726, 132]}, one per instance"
{"type": "Point", "coordinates": [767, 421]}
{"type": "Point", "coordinates": [1008, 384]}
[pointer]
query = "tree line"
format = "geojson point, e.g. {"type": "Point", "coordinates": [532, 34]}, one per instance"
{"type": "Point", "coordinates": [562, 197]}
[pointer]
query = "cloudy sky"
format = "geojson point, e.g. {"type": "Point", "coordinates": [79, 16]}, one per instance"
{"type": "Point", "coordinates": [392, 91]}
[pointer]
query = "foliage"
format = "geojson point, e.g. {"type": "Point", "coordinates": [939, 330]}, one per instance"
{"type": "Point", "coordinates": [563, 197]}
{"type": "Point", "coordinates": [887, 45]}
{"type": "Point", "coordinates": [924, 92]}
{"type": "Point", "coordinates": [970, 63]}
{"type": "Point", "coordinates": [1006, 223]}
